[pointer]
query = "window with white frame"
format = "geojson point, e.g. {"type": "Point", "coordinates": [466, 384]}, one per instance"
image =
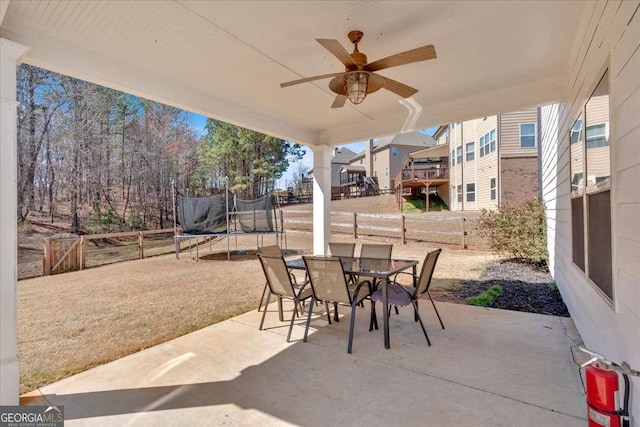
{"type": "Point", "coordinates": [386, 171]}
{"type": "Point", "coordinates": [471, 192]}
{"type": "Point", "coordinates": [453, 158]}
{"type": "Point", "coordinates": [488, 143]}
{"type": "Point", "coordinates": [528, 135]}
{"type": "Point", "coordinates": [492, 188]}
{"type": "Point", "coordinates": [492, 140]}
{"type": "Point", "coordinates": [471, 151]}
{"type": "Point", "coordinates": [459, 193]}
{"type": "Point", "coordinates": [459, 155]}
{"type": "Point", "coordinates": [483, 146]}
{"type": "Point", "coordinates": [576, 132]}
{"type": "Point", "coordinates": [590, 170]}
{"type": "Point", "coordinates": [597, 136]}
{"type": "Point", "coordinates": [394, 151]}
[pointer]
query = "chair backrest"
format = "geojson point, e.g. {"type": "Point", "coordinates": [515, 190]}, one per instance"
{"type": "Point", "coordinates": [271, 250]}
{"type": "Point", "coordinates": [327, 279]}
{"type": "Point", "coordinates": [428, 266]}
{"type": "Point", "coordinates": [379, 251]}
{"type": "Point", "coordinates": [277, 274]}
{"type": "Point", "coordinates": [345, 250]}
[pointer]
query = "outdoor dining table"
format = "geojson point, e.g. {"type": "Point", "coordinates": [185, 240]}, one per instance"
{"type": "Point", "coordinates": [380, 270]}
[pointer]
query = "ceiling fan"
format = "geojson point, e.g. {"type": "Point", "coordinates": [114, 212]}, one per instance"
{"type": "Point", "coordinates": [359, 78]}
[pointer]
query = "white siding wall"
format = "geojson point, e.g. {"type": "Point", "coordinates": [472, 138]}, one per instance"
{"type": "Point", "coordinates": [609, 36]}
{"type": "Point", "coordinates": [486, 166]}
{"type": "Point", "coordinates": [456, 175]}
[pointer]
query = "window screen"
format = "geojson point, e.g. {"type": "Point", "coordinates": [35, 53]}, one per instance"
{"type": "Point", "coordinates": [600, 241]}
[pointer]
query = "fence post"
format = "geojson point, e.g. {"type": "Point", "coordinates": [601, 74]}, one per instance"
{"type": "Point", "coordinates": [403, 230]}
{"type": "Point", "coordinates": [141, 244]}
{"type": "Point", "coordinates": [355, 225]}
{"type": "Point", "coordinates": [281, 227]}
{"type": "Point", "coordinates": [81, 253]}
{"type": "Point", "coordinates": [46, 261]}
{"type": "Point", "coordinates": [464, 233]}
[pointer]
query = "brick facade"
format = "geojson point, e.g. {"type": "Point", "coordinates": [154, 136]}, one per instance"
{"type": "Point", "coordinates": [519, 177]}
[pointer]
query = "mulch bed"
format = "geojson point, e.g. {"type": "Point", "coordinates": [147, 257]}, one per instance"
{"type": "Point", "coordinates": [524, 288]}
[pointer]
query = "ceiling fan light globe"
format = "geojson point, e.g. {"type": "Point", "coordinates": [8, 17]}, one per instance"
{"type": "Point", "coordinates": [355, 85]}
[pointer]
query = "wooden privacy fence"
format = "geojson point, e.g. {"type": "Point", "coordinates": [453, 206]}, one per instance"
{"type": "Point", "coordinates": [452, 230]}
{"type": "Point", "coordinates": [67, 252]}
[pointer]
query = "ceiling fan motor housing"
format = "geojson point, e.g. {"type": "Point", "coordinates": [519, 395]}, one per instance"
{"type": "Point", "coordinates": [359, 58]}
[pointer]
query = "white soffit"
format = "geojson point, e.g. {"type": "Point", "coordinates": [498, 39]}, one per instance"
{"type": "Point", "coordinates": [227, 59]}
{"type": "Point", "coordinates": [437, 151]}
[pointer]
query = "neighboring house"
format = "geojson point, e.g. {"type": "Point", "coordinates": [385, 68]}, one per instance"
{"type": "Point", "coordinates": [492, 162]}
{"type": "Point", "coordinates": [341, 158]}
{"type": "Point", "coordinates": [382, 159]}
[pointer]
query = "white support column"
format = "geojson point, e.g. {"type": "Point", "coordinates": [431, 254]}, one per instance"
{"type": "Point", "coordinates": [10, 55]}
{"type": "Point", "coordinates": [321, 198]}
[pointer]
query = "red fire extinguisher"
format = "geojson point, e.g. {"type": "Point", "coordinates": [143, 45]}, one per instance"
{"type": "Point", "coordinates": [607, 405]}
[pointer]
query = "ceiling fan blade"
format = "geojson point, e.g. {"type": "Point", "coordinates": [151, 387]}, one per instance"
{"type": "Point", "coordinates": [309, 79]}
{"type": "Point", "coordinates": [399, 88]}
{"type": "Point", "coordinates": [414, 55]}
{"type": "Point", "coordinates": [339, 52]}
{"type": "Point", "coordinates": [339, 101]}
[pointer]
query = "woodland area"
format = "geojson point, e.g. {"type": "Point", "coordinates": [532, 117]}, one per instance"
{"type": "Point", "coordinates": [105, 160]}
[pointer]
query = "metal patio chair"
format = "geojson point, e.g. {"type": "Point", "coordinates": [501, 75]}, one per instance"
{"type": "Point", "coordinates": [378, 251]}
{"type": "Point", "coordinates": [345, 250]}
{"type": "Point", "coordinates": [282, 284]}
{"type": "Point", "coordinates": [271, 250]}
{"type": "Point", "coordinates": [402, 295]}
{"type": "Point", "coordinates": [342, 250]}
{"type": "Point", "coordinates": [329, 284]}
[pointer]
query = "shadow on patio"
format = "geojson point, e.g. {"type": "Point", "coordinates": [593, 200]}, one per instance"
{"type": "Point", "coordinates": [489, 367]}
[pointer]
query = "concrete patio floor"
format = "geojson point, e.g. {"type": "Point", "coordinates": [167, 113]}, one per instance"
{"type": "Point", "coordinates": [487, 368]}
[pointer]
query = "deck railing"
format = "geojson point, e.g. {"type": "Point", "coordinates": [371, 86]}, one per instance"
{"type": "Point", "coordinates": [422, 174]}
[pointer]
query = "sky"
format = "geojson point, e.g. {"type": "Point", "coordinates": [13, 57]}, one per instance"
{"type": "Point", "coordinates": [199, 122]}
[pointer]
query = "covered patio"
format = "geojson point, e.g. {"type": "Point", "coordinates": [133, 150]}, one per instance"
{"type": "Point", "coordinates": [488, 367]}
{"type": "Point", "coordinates": [226, 60]}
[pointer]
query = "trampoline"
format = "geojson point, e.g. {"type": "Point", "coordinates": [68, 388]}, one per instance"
{"type": "Point", "coordinates": [223, 216]}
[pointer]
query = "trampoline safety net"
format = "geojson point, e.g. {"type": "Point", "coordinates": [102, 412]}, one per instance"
{"type": "Point", "coordinates": [255, 215]}
{"type": "Point", "coordinates": [208, 215]}
{"type": "Point", "coordinates": [202, 215]}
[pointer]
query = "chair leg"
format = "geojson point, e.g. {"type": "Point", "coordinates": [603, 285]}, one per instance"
{"type": "Point", "coordinates": [396, 307]}
{"type": "Point", "coordinates": [326, 305]}
{"type": "Point", "coordinates": [335, 312]}
{"type": "Point", "coordinates": [421, 324]}
{"type": "Point", "coordinates": [306, 328]}
{"type": "Point", "coordinates": [264, 291]}
{"type": "Point", "coordinates": [373, 322]}
{"type": "Point", "coordinates": [293, 317]}
{"type": "Point", "coordinates": [264, 312]}
{"type": "Point", "coordinates": [280, 311]}
{"type": "Point", "coordinates": [351, 327]}
{"type": "Point", "coordinates": [300, 306]}
{"type": "Point", "coordinates": [434, 307]}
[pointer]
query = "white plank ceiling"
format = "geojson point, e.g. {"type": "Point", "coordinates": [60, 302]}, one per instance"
{"type": "Point", "coordinates": [226, 59]}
